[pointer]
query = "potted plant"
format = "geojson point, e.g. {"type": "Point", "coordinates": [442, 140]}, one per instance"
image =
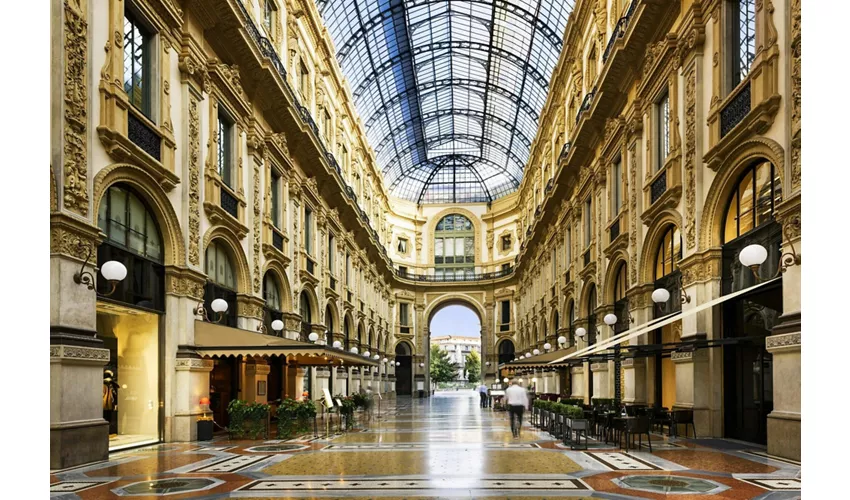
{"type": "Point", "coordinates": [248, 419]}
{"type": "Point", "coordinates": [576, 423]}
{"type": "Point", "coordinates": [304, 413]}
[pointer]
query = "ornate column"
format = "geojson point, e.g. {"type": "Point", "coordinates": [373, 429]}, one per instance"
{"type": "Point", "coordinates": [192, 375]}
{"type": "Point", "coordinates": [634, 382]}
{"type": "Point", "coordinates": [784, 422]}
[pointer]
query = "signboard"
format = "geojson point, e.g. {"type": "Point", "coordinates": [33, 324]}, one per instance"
{"type": "Point", "coordinates": [329, 402]}
{"type": "Point", "coordinates": [338, 402]}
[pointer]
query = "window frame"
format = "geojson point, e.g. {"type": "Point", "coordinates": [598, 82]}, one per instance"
{"type": "Point", "coordinates": [275, 189]}
{"type": "Point", "coordinates": [735, 196]}
{"type": "Point", "coordinates": [308, 233]}
{"type": "Point", "coordinates": [149, 52]}
{"type": "Point", "coordinates": [225, 146]}
{"type": "Point", "coordinates": [734, 46]}
{"type": "Point", "coordinates": [616, 187]}
{"type": "Point", "coordinates": [662, 129]}
{"type": "Point", "coordinates": [588, 222]}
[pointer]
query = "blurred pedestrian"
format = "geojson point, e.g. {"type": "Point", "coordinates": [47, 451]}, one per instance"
{"type": "Point", "coordinates": [516, 398]}
{"type": "Point", "coordinates": [482, 392]}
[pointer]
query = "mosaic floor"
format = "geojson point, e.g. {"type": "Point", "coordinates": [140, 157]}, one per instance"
{"type": "Point", "coordinates": [443, 447]}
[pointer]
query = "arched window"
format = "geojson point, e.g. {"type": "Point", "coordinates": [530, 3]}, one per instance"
{"type": "Point", "coordinates": [273, 306]}
{"type": "Point", "coordinates": [329, 323]}
{"type": "Point", "coordinates": [753, 201]}
{"type": "Point", "coordinates": [347, 333]}
{"type": "Point", "coordinates": [306, 315]}
{"type": "Point", "coordinates": [556, 324]}
{"type": "Point", "coordinates": [591, 315]}
{"type": "Point", "coordinates": [669, 252]}
{"type": "Point", "coordinates": [620, 283]}
{"type": "Point", "coordinates": [572, 317]}
{"type": "Point", "coordinates": [221, 281]}
{"type": "Point", "coordinates": [132, 238]}
{"type": "Point", "coordinates": [507, 352]}
{"type": "Point", "coordinates": [454, 247]}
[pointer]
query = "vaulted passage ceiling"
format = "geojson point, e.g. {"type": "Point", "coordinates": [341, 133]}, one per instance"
{"type": "Point", "coordinates": [450, 91]}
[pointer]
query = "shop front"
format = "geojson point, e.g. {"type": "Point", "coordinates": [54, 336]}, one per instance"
{"type": "Point", "coordinates": [130, 320]}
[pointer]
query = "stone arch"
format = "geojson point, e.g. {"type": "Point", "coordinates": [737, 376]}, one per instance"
{"type": "Point", "coordinates": [617, 259]}
{"type": "Point", "coordinates": [312, 301]}
{"type": "Point", "coordinates": [455, 299]}
{"type": "Point", "coordinates": [360, 333]}
{"type": "Point", "coordinates": [725, 181]}
{"type": "Point", "coordinates": [230, 241]}
{"type": "Point", "coordinates": [529, 339]}
{"type": "Point", "coordinates": [331, 307]}
{"type": "Point", "coordinates": [555, 317]}
{"type": "Point", "coordinates": [585, 295]}
{"type": "Point", "coordinates": [347, 319]}
{"type": "Point", "coordinates": [541, 333]}
{"type": "Point", "coordinates": [652, 240]}
{"type": "Point", "coordinates": [275, 267]}
{"type": "Point", "coordinates": [565, 308]}
{"type": "Point", "coordinates": [476, 226]}
{"type": "Point", "coordinates": [161, 208]}
{"type": "Point", "coordinates": [410, 348]}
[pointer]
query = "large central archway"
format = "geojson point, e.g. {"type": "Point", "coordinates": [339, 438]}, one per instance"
{"type": "Point", "coordinates": [455, 328]}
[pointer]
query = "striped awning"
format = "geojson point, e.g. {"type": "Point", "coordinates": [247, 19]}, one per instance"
{"type": "Point", "coordinates": [219, 341]}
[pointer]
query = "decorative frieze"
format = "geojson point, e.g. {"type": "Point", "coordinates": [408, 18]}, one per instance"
{"type": "Point", "coordinates": [75, 193]}
{"type": "Point", "coordinates": [194, 181]}
{"type": "Point", "coordinates": [690, 159]}
{"type": "Point", "coordinates": [78, 354]}
{"type": "Point", "coordinates": [786, 341]}
{"type": "Point", "coordinates": [194, 365]}
{"type": "Point", "coordinates": [682, 357]}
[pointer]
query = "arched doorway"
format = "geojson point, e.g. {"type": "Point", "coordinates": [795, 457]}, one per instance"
{"type": "Point", "coordinates": [591, 334]}
{"type": "Point", "coordinates": [403, 369]}
{"type": "Point", "coordinates": [507, 353]}
{"type": "Point", "coordinates": [454, 357]}
{"type": "Point", "coordinates": [130, 323]}
{"type": "Point", "coordinates": [750, 318]}
{"type": "Point", "coordinates": [668, 276]}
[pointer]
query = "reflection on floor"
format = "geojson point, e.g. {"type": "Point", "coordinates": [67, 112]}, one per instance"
{"type": "Point", "coordinates": [443, 447]}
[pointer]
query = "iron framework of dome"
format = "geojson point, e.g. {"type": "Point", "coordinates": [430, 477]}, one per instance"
{"type": "Point", "coordinates": [450, 91]}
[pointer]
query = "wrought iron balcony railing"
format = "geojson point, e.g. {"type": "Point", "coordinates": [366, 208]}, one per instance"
{"type": "Point", "coordinates": [565, 150]}
{"type": "Point", "coordinates": [450, 277]}
{"type": "Point", "coordinates": [619, 31]}
{"type": "Point", "coordinates": [585, 103]}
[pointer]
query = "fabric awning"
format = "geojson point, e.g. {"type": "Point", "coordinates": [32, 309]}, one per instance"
{"type": "Point", "coordinates": [543, 359]}
{"type": "Point", "coordinates": [654, 324]}
{"type": "Point", "coordinates": [213, 340]}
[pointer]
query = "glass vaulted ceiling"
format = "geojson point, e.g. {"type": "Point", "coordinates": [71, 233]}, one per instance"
{"type": "Point", "coordinates": [450, 91]}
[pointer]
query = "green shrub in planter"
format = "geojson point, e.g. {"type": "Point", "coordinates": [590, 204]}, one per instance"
{"type": "Point", "coordinates": [347, 409]}
{"type": "Point", "coordinates": [248, 420]}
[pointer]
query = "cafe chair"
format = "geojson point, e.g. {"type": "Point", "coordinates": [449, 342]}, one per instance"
{"type": "Point", "coordinates": [639, 426]}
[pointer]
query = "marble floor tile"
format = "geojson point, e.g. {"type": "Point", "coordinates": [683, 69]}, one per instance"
{"type": "Point", "coordinates": [444, 447]}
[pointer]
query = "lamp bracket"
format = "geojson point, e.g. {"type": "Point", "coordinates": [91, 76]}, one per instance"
{"type": "Point", "coordinates": [84, 277]}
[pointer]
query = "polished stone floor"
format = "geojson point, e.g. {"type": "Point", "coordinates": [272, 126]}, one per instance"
{"type": "Point", "coordinates": [442, 447]}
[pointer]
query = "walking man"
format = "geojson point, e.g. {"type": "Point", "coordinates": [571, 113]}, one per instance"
{"type": "Point", "coordinates": [482, 392]}
{"type": "Point", "coordinates": [517, 400]}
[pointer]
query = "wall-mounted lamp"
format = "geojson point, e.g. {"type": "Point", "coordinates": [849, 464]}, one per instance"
{"type": "Point", "coordinates": [753, 256]}
{"type": "Point", "coordinates": [313, 336]}
{"type": "Point", "coordinates": [397, 363]}
{"type": "Point", "coordinates": [487, 363]}
{"type": "Point", "coordinates": [421, 365]}
{"type": "Point", "coordinates": [547, 346]}
{"type": "Point", "coordinates": [562, 340]}
{"type": "Point", "coordinates": [376, 357]}
{"type": "Point", "coordinates": [505, 380]}
{"type": "Point", "coordinates": [113, 271]}
{"type": "Point", "coordinates": [277, 326]}
{"type": "Point", "coordinates": [219, 307]}
{"type": "Point", "coordinates": [536, 352]}
{"type": "Point", "coordinates": [366, 354]}
{"type": "Point", "coordinates": [354, 350]}
{"type": "Point", "coordinates": [580, 332]}
{"type": "Point", "coordinates": [337, 344]}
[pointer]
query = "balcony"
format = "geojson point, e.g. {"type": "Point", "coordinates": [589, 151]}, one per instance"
{"type": "Point", "coordinates": [277, 240]}
{"type": "Point", "coordinates": [735, 110]}
{"type": "Point", "coordinates": [614, 230]}
{"type": "Point", "coordinates": [549, 185]}
{"type": "Point", "coordinates": [565, 151]}
{"type": "Point", "coordinates": [229, 203]}
{"type": "Point", "coordinates": [586, 103]}
{"type": "Point", "coordinates": [455, 277]}
{"type": "Point", "coordinates": [619, 31]}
